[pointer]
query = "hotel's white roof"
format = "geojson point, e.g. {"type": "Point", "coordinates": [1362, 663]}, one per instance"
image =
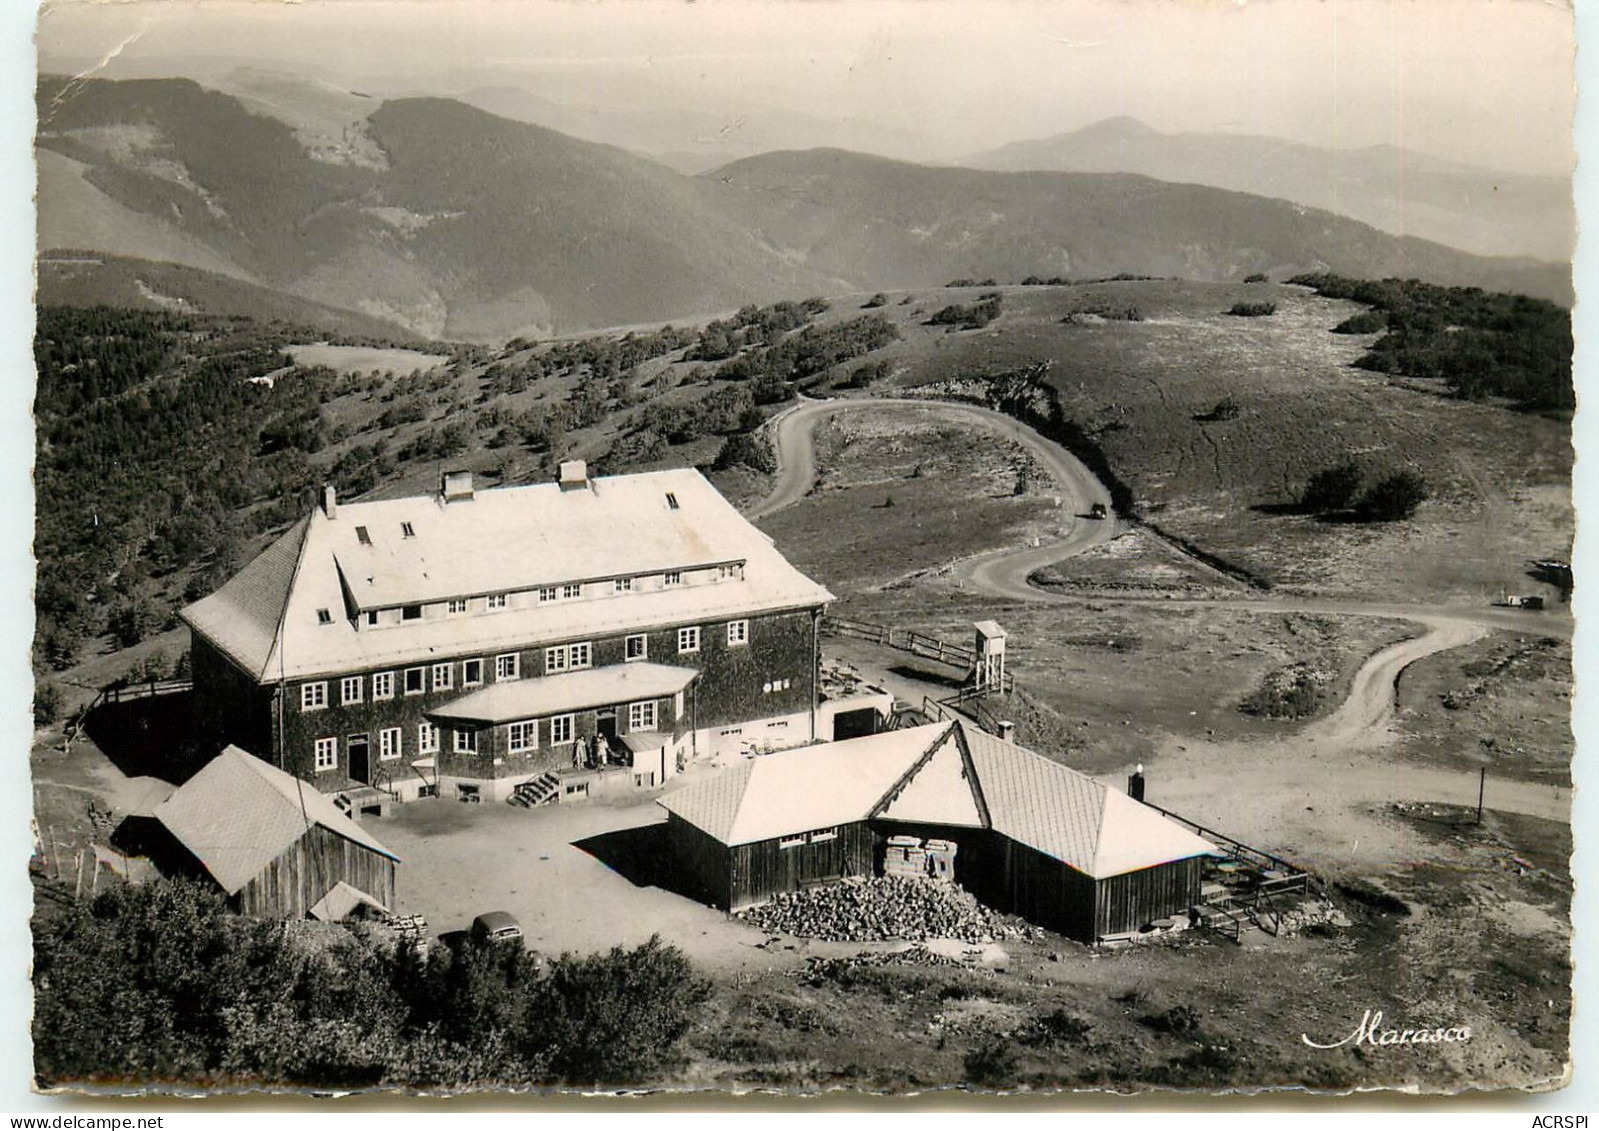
{"type": "Point", "coordinates": [504, 539]}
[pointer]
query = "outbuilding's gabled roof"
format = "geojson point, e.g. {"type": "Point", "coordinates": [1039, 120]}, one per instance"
{"type": "Point", "coordinates": [269, 619]}
{"type": "Point", "coordinates": [238, 814]}
{"type": "Point", "coordinates": [801, 790]}
{"type": "Point", "coordinates": [1067, 815]}
{"type": "Point", "coordinates": [939, 774]}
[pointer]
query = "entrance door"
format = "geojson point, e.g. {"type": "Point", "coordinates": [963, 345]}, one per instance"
{"type": "Point", "coordinates": [360, 758]}
{"type": "Point", "coordinates": [605, 724]}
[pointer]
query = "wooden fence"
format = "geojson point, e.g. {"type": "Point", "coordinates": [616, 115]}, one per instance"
{"type": "Point", "coordinates": [908, 640]}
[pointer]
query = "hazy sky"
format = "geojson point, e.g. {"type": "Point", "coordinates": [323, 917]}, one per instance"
{"type": "Point", "coordinates": [1486, 81]}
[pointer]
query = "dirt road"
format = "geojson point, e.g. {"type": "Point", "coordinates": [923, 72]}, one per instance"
{"type": "Point", "coordinates": [1340, 744]}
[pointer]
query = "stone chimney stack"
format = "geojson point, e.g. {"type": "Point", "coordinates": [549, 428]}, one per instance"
{"type": "Point", "coordinates": [330, 501]}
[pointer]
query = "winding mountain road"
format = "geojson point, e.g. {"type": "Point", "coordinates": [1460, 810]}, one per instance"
{"type": "Point", "coordinates": [1360, 721]}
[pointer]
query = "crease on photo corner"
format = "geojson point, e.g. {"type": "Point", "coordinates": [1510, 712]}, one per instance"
{"type": "Point", "coordinates": [105, 60]}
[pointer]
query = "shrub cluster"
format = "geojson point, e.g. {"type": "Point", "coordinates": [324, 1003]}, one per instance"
{"type": "Point", "coordinates": [1479, 343]}
{"type": "Point", "coordinates": [972, 316]}
{"type": "Point", "coordinates": [160, 983]}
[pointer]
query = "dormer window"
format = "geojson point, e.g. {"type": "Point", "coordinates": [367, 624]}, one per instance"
{"type": "Point", "coordinates": [457, 604]}
{"type": "Point", "coordinates": [407, 530]}
{"type": "Point", "coordinates": [324, 616]}
{"type": "Point", "coordinates": [411, 612]}
{"type": "Point", "coordinates": [372, 617]}
{"type": "Point", "coordinates": [672, 578]}
{"type": "Point", "coordinates": [623, 584]}
{"type": "Point", "coordinates": [497, 601]}
{"type": "Point", "coordinates": [362, 536]}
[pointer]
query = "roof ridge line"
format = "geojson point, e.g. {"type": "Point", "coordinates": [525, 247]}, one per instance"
{"type": "Point", "coordinates": [276, 647]}
{"type": "Point", "coordinates": [972, 778]}
{"type": "Point", "coordinates": [894, 790]}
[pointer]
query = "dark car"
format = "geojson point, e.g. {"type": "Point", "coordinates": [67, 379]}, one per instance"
{"type": "Point", "coordinates": [496, 927]}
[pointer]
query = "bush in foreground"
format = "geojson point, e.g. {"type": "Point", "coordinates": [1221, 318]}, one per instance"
{"type": "Point", "coordinates": [161, 984]}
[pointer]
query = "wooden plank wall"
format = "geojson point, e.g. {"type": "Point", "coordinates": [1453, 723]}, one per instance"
{"type": "Point", "coordinates": [763, 869]}
{"type": "Point", "coordinates": [291, 885]}
{"type": "Point", "coordinates": [706, 860]}
{"type": "Point", "coordinates": [1127, 902]}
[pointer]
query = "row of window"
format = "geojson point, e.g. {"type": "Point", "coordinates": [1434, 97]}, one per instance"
{"type": "Point", "coordinates": [390, 746]}
{"type": "Point", "coordinates": [544, 595]}
{"type": "Point", "coordinates": [508, 666]}
{"type": "Point", "coordinates": [818, 836]}
{"type": "Point", "coordinates": [520, 737]}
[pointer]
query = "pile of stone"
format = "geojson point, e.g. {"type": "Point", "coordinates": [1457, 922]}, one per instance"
{"type": "Point", "coordinates": [887, 907]}
{"type": "Point", "coordinates": [818, 969]}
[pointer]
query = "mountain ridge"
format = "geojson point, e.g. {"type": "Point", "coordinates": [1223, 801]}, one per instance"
{"type": "Point", "coordinates": [453, 222]}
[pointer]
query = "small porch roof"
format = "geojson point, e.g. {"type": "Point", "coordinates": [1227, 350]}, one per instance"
{"type": "Point", "coordinates": [611, 685]}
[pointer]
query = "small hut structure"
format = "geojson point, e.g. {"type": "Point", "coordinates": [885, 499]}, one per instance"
{"type": "Point", "coordinates": [276, 846]}
{"type": "Point", "coordinates": [1022, 833]}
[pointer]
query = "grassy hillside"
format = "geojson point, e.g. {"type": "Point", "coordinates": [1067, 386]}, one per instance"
{"type": "Point", "coordinates": [161, 466]}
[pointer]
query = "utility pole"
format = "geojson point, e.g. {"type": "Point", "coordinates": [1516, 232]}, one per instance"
{"type": "Point", "coordinates": [1482, 784]}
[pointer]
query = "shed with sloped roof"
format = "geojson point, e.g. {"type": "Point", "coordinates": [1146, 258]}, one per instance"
{"type": "Point", "coordinates": [276, 846]}
{"type": "Point", "coordinates": [1035, 838]}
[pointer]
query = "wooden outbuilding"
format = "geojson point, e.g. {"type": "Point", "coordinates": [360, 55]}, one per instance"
{"type": "Point", "coordinates": [1022, 833]}
{"type": "Point", "coordinates": [276, 846]}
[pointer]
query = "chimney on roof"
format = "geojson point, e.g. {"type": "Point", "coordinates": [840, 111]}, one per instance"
{"type": "Point", "coordinates": [574, 473]}
{"type": "Point", "coordinates": [1135, 783]}
{"type": "Point", "coordinates": [330, 500]}
{"type": "Point", "coordinates": [455, 486]}
{"type": "Point", "coordinates": [1006, 731]}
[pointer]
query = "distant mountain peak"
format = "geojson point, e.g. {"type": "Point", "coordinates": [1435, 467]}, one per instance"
{"type": "Point", "coordinates": [1119, 126]}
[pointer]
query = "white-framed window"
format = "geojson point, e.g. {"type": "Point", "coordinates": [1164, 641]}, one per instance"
{"type": "Point", "coordinates": [820, 835]}
{"type": "Point", "coordinates": [407, 530]}
{"type": "Point", "coordinates": [792, 841]}
{"type": "Point", "coordinates": [324, 616]}
{"type": "Point", "coordinates": [688, 639]}
{"type": "Point", "coordinates": [313, 696]}
{"type": "Point", "coordinates": [383, 685]}
{"type": "Point", "coordinates": [548, 593]}
{"type": "Point", "coordinates": [580, 655]}
{"type": "Point", "coordinates": [327, 754]}
{"type": "Point", "coordinates": [496, 601]}
{"type": "Point", "coordinates": [371, 617]}
{"type": "Point", "coordinates": [521, 737]}
{"type": "Point", "coordinates": [457, 605]}
{"type": "Point", "coordinates": [641, 716]}
{"type": "Point", "coordinates": [416, 681]}
{"type": "Point", "coordinates": [671, 578]}
{"type": "Point", "coordinates": [562, 729]}
{"type": "Point", "coordinates": [350, 689]}
{"type": "Point", "coordinates": [427, 738]}
{"type": "Point", "coordinates": [738, 632]}
{"type": "Point", "coordinates": [726, 572]}
{"type": "Point", "coordinates": [622, 585]}
{"type": "Point", "coordinates": [443, 677]}
{"type": "Point", "coordinates": [571, 592]}
{"type": "Point", "coordinates": [466, 742]}
{"type": "Point", "coordinates": [636, 648]}
{"type": "Point", "coordinates": [555, 659]}
{"type": "Point", "coordinates": [389, 744]}
{"type": "Point", "coordinates": [508, 666]}
{"type": "Point", "coordinates": [471, 673]}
